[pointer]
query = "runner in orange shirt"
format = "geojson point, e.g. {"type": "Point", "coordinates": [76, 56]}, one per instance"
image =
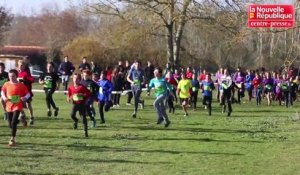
{"type": "Point", "coordinates": [14, 94]}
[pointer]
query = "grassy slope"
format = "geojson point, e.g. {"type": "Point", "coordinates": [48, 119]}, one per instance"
{"type": "Point", "coordinates": [255, 140]}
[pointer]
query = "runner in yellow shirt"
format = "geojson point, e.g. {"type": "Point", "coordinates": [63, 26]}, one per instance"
{"type": "Point", "coordinates": [184, 91]}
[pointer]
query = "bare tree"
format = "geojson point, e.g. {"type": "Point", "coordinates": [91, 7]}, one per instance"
{"type": "Point", "coordinates": [5, 21]}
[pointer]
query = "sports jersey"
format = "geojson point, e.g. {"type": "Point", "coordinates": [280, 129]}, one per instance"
{"type": "Point", "coordinates": [184, 86]}
{"type": "Point", "coordinates": [14, 92]}
{"type": "Point", "coordinates": [91, 86]}
{"type": "Point", "coordinates": [50, 80]}
{"type": "Point", "coordinates": [137, 76]}
{"type": "Point", "coordinates": [207, 87]}
{"type": "Point", "coordinates": [78, 94]}
{"type": "Point", "coordinates": [27, 79]}
{"type": "Point", "coordinates": [196, 85]}
{"type": "Point", "coordinates": [105, 89]}
{"type": "Point", "coordinates": [160, 85]}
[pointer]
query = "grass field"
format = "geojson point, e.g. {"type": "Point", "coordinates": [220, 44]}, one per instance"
{"type": "Point", "coordinates": [255, 140]}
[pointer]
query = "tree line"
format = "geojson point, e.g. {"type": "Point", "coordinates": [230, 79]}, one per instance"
{"type": "Point", "coordinates": [206, 33]}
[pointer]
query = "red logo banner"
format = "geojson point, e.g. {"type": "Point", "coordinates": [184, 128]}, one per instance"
{"type": "Point", "coordinates": [271, 16]}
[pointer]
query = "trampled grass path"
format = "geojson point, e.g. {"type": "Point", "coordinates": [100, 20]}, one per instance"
{"type": "Point", "coordinates": [255, 140]}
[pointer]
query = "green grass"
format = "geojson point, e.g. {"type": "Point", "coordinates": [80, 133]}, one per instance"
{"type": "Point", "coordinates": [255, 140]}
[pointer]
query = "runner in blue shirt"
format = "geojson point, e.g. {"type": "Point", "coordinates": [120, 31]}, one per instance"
{"type": "Point", "coordinates": [162, 88]}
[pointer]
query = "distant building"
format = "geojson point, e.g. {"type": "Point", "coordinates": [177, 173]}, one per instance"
{"type": "Point", "coordinates": [10, 61]}
{"type": "Point", "coordinates": [10, 55]}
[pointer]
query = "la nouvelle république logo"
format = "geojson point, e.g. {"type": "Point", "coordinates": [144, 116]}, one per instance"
{"type": "Point", "coordinates": [271, 16]}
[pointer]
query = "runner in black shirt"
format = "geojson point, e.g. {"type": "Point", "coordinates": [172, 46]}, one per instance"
{"type": "Point", "coordinates": [50, 81]}
{"type": "Point", "coordinates": [93, 88]}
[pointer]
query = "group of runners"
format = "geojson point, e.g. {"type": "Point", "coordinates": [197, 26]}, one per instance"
{"type": "Point", "coordinates": [92, 86]}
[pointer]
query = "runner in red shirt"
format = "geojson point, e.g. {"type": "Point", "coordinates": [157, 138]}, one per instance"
{"type": "Point", "coordinates": [25, 78]}
{"type": "Point", "coordinates": [78, 94]}
{"type": "Point", "coordinates": [14, 94]}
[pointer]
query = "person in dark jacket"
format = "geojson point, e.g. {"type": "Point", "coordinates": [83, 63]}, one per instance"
{"type": "Point", "coordinates": [149, 74]}
{"type": "Point", "coordinates": [66, 68]}
{"type": "Point", "coordinates": [84, 65]}
{"type": "Point", "coordinates": [117, 82]}
{"type": "Point", "coordinates": [95, 68]}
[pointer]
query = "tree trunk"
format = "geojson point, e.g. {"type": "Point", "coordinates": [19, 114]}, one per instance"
{"type": "Point", "coordinates": [271, 45]}
{"type": "Point", "coordinates": [179, 32]}
{"type": "Point", "coordinates": [260, 49]}
{"type": "Point", "coordinates": [169, 38]}
{"type": "Point", "coordinates": [170, 29]}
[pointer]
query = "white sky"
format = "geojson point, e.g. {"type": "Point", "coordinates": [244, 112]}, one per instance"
{"type": "Point", "coordinates": [29, 7]}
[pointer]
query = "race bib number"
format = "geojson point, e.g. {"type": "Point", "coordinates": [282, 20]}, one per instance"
{"type": "Point", "coordinates": [194, 89]}
{"type": "Point", "coordinates": [14, 98]}
{"type": "Point", "coordinates": [268, 86]}
{"type": "Point", "coordinates": [137, 82]}
{"type": "Point", "coordinates": [2, 82]}
{"type": "Point", "coordinates": [284, 87]}
{"type": "Point", "coordinates": [224, 86]}
{"type": "Point", "coordinates": [207, 88]}
{"type": "Point", "coordinates": [100, 90]}
{"type": "Point", "coordinates": [48, 84]}
{"type": "Point", "coordinates": [159, 88]}
{"type": "Point", "coordinates": [77, 97]}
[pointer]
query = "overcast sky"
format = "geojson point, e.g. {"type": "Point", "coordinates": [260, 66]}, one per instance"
{"type": "Point", "coordinates": [29, 7]}
{"type": "Point", "coordinates": [32, 6]}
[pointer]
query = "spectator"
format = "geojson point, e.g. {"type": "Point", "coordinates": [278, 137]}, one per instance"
{"type": "Point", "coordinates": [84, 65]}
{"type": "Point", "coordinates": [66, 68]}
{"type": "Point", "coordinates": [95, 68]}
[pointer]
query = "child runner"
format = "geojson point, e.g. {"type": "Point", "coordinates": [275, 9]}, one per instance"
{"type": "Point", "coordinates": [95, 78]}
{"type": "Point", "coordinates": [14, 94]}
{"type": "Point", "coordinates": [292, 90]}
{"type": "Point", "coordinates": [278, 90]}
{"type": "Point", "coordinates": [136, 78]}
{"type": "Point", "coordinates": [257, 84]}
{"type": "Point", "coordinates": [219, 74]}
{"type": "Point", "coordinates": [104, 95]}
{"type": "Point", "coordinates": [285, 89]}
{"type": "Point", "coordinates": [50, 81]}
{"type": "Point", "coordinates": [78, 94]}
{"type": "Point", "coordinates": [207, 87]}
{"type": "Point", "coordinates": [93, 88]}
{"type": "Point", "coordinates": [239, 82]}
{"type": "Point", "coordinates": [195, 89]}
{"type": "Point", "coordinates": [249, 84]}
{"type": "Point", "coordinates": [174, 82]}
{"type": "Point", "coordinates": [170, 102]}
{"type": "Point", "coordinates": [161, 86]}
{"type": "Point", "coordinates": [226, 91]}
{"type": "Point", "coordinates": [184, 90]}
{"type": "Point", "coordinates": [268, 84]}
{"type": "Point", "coordinates": [27, 79]}
{"type": "Point", "coordinates": [3, 79]}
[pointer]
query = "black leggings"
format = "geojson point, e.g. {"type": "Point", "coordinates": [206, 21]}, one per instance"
{"type": "Point", "coordinates": [82, 112]}
{"type": "Point", "coordinates": [90, 111]}
{"type": "Point", "coordinates": [116, 99]}
{"type": "Point", "coordinates": [13, 122]}
{"type": "Point", "coordinates": [226, 98]}
{"type": "Point", "coordinates": [103, 106]}
{"type": "Point", "coordinates": [49, 98]}
{"type": "Point", "coordinates": [194, 99]}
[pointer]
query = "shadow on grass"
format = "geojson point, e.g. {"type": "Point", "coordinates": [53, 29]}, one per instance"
{"type": "Point", "coordinates": [83, 147]}
{"type": "Point", "coordinates": [137, 138]}
{"type": "Point", "coordinates": [196, 129]}
{"type": "Point", "coordinates": [22, 173]}
{"type": "Point", "coordinates": [31, 173]}
{"type": "Point", "coordinates": [37, 155]}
